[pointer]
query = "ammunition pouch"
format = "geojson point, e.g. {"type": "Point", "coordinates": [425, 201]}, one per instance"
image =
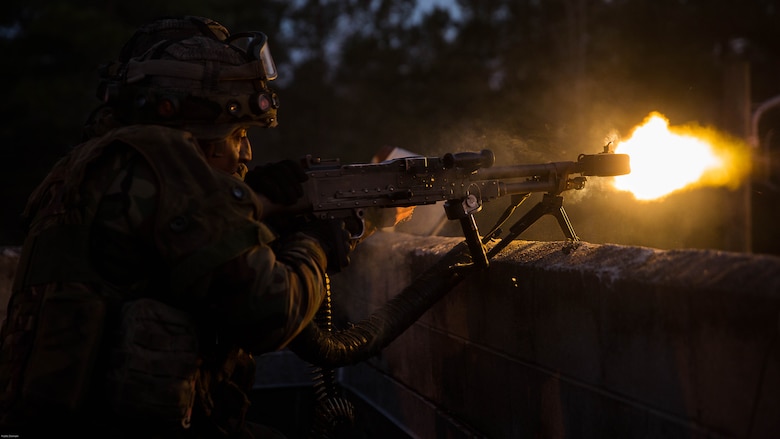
{"type": "Point", "coordinates": [65, 347]}
{"type": "Point", "coordinates": [153, 365]}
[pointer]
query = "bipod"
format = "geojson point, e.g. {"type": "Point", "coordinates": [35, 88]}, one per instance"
{"type": "Point", "coordinates": [550, 205]}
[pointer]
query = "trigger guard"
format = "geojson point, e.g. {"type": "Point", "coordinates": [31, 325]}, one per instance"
{"type": "Point", "coordinates": [356, 224]}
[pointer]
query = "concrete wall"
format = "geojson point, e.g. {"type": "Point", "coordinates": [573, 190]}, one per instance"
{"type": "Point", "coordinates": [568, 340]}
{"type": "Point", "coordinates": [576, 340]}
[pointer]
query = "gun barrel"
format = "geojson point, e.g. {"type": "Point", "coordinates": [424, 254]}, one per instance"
{"type": "Point", "coordinates": [523, 187]}
{"type": "Point", "coordinates": [525, 171]}
{"type": "Point", "coordinates": [595, 165]}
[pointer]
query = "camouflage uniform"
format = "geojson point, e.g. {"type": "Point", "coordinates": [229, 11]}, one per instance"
{"type": "Point", "coordinates": [134, 215]}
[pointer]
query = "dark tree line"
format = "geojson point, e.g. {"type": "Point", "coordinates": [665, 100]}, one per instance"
{"type": "Point", "coordinates": [533, 80]}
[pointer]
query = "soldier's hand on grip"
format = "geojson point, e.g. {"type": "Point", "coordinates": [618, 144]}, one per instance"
{"type": "Point", "coordinates": [334, 238]}
{"type": "Point", "coordinates": [280, 182]}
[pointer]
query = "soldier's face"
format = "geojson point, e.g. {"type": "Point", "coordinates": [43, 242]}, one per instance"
{"type": "Point", "coordinates": [230, 154]}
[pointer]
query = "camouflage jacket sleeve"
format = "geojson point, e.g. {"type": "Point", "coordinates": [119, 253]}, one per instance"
{"type": "Point", "coordinates": [261, 299]}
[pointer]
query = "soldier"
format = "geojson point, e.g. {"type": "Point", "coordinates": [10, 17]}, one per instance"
{"type": "Point", "coordinates": [148, 276]}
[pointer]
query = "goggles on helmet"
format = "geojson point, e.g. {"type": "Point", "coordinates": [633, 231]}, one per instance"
{"type": "Point", "coordinates": [255, 46]}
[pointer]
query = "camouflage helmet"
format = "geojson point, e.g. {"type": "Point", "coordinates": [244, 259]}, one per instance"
{"type": "Point", "coordinates": [208, 83]}
{"type": "Point", "coordinates": [170, 28]}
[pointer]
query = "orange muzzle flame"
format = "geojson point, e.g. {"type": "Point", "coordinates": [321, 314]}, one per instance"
{"type": "Point", "coordinates": [668, 159]}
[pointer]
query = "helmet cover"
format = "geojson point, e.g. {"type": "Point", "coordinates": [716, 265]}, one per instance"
{"type": "Point", "coordinates": [202, 83]}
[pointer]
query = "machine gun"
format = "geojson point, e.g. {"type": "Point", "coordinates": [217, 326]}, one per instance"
{"type": "Point", "coordinates": [463, 181]}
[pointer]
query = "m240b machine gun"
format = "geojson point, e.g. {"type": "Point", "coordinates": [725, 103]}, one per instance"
{"type": "Point", "coordinates": [463, 181]}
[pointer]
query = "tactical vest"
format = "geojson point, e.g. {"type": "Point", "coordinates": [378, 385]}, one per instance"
{"type": "Point", "coordinates": [54, 332]}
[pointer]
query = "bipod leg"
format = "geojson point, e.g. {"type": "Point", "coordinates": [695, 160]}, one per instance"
{"type": "Point", "coordinates": [564, 223]}
{"type": "Point", "coordinates": [463, 210]}
{"type": "Point", "coordinates": [471, 233]}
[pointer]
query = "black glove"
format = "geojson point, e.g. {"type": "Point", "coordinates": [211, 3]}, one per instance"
{"type": "Point", "coordinates": [280, 182]}
{"type": "Point", "coordinates": [334, 238]}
